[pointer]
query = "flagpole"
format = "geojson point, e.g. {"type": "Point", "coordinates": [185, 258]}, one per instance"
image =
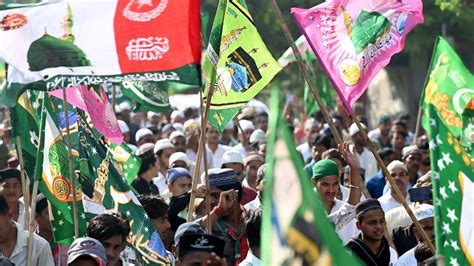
{"type": "Point", "coordinates": [418, 122]}
{"type": "Point", "coordinates": [26, 194]}
{"type": "Point", "coordinates": [72, 173]}
{"type": "Point", "coordinates": [199, 157]}
{"type": "Point", "coordinates": [206, 174]}
{"type": "Point", "coordinates": [393, 185]}
{"type": "Point", "coordinates": [315, 92]}
{"type": "Point", "coordinates": [26, 199]}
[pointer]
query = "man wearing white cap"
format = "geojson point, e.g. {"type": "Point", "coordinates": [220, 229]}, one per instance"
{"type": "Point", "coordinates": [126, 134]}
{"type": "Point", "coordinates": [178, 139]}
{"type": "Point", "coordinates": [123, 111]}
{"type": "Point", "coordinates": [425, 216]}
{"type": "Point", "coordinates": [233, 160]}
{"type": "Point", "coordinates": [144, 135]}
{"type": "Point", "coordinates": [163, 150]}
{"type": "Point", "coordinates": [227, 136]}
{"type": "Point", "coordinates": [177, 116]}
{"type": "Point", "coordinates": [366, 158]}
{"type": "Point", "coordinates": [214, 148]}
{"type": "Point", "coordinates": [245, 130]}
{"type": "Point", "coordinates": [399, 173]}
{"type": "Point", "coordinates": [311, 128]}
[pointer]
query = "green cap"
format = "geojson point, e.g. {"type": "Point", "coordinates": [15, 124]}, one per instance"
{"type": "Point", "coordinates": [324, 168]}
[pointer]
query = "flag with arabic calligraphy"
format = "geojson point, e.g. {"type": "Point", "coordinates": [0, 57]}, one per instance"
{"type": "Point", "coordinates": [353, 40]}
{"type": "Point", "coordinates": [237, 65]}
{"type": "Point", "coordinates": [75, 42]}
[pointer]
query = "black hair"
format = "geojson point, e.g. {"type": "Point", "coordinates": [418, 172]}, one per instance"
{"type": "Point", "coordinates": [154, 205]}
{"type": "Point", "coordinates": [422, 252]}
{"type": "Point", "coordinates": [262, 114]}
{"type": "Point", "coordinates": [334, 154]}
{"type": "Point", "coordinates": [147, 163]}
{"type": "Point", "coordinates": [400, 123]}
{"type": "Point", "coordinates": [3, 205]}
{"type": "Point", "coordinates": [105, 226]}
{"type": "Point", "coordinates": [385, 152]}
{"type": "Point", "coordinates": [323, 140]}
{"type": "Point", "coordinates": [254, 221]}
{"type": "Point", "coordinates": [393, 132]}
{"type": "Point", "coordinates": [41, 205]}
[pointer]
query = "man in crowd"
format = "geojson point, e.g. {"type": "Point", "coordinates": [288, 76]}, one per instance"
{"type": "Point", "coordinates": [411, 156]}
{"type": "Point", "coordinates": [253, 223]}
{"type": "Point", "coordinates": [213, 147]}
{"type": "Point", "coordinates": [252, 162]}
{"type": "Point", "coordinates": [245, 130]}
{"type": "Point", "coordinates": [319, 145]}
{"type": "Point", "coordinates": [157, 210]}
{"type": "Point", "coordinates": [381, 135]}
{"type": "Point", "coordinates": [326, 180]}
{"type": "Point", "coordinates": [371, 246]}
{"type": "Point", "coordinates": [397, 139]}
{"type": "Point", "coordinates": [257, 202]}
{"type": "Point", "coordinates": [233, 160]}
{"type": "Point", "coordinates": [111, 230]}
{"type": "Point", "coordinates": [86, 251]}
{"type": "Point", "coordinates": [424, 214]}
{"type": "Point", "coordinates": [178, 140]}
{"type": "Point", "coordinates": [144, 135]}
{"type": "Point", "coordinates": [227, 215]}
{"type": "Point", "coordinates": [399, 173]}
{"type": "Point", "coordinates": [10, 187]}
{"type": "Point", "coordinates": [311, 128]}
{"type": "Point", "coordinates": [376, 184]}
{"type": "Point", "coordinates": [14, 241]}
{"type": "Point", "coordinates": [149, 168]}
{"type": "Point", "coordinates": [200, 249]}
{"type": "Point", "coordinates": [366, 158]}
{"type": "Point", "coordinates": [163, 150]}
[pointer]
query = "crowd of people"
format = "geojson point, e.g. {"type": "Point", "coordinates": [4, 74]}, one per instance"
{"type": "Point", "coordinates": [376, 228]}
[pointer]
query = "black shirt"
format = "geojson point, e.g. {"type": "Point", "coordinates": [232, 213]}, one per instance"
{"type": "Point", "coordinates": [143, 187]}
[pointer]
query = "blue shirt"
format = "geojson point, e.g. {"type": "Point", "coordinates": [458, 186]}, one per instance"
{"type": "Point", "coordinates": [376, 185]}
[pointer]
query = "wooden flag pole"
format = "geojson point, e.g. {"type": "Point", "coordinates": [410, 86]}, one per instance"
{"type": "Point", "coordinates": [31, 225]}
{"type": "Point", "coordinates": [199, 157]}
{"type": "Point", "coordinates": [393, 185]}
{"type": "Point", "coordinates": [206, 173]}
{"type": "Point", "coordinates": [24, 185]}
{"type": "Point", "coordinates": [315, 92]}
{"type": "Point", "coordinates": [418, 122]}
{"type": "Point", "coordinates": [72, 173]}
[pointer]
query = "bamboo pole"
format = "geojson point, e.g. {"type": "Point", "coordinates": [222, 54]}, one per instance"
{"type": "Point", "coordinates": [418, 122]}
{"type": "Point", "coordinates": [72, 173]}
{"type": "Point", "coordinates": [206, 172]}
{"type": "Point", "coordinates": [198, 159]}
{"type": "Point", "coordinates": [393, 185]}
{"type": "Point", "coordinates": [315, 92]}
{"type": "Point", "coordinates": [24, 185]}
{"type": "Point", "coordinates": [31, 225]}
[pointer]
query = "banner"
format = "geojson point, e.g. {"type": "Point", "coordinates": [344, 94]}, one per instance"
{"type": "Point", "coordinates": [94, 42]}
{"type": "Point", "coordinates": [237, 65]}
{"type": "Point", "coordinates": [353, 40]}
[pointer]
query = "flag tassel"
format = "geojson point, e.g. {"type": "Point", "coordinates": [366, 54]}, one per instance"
{"type": "Point", "coordinates": [71, 167]}
{"type": "Point", "coordinates": [393, 185]}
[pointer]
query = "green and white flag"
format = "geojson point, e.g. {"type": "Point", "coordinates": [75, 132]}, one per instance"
{"type": "Point", "coordinates": [148, 96]}
{"type": "Point", "coordinates": [54, 180]}
{"type": "Point", "coordinates": [237, 64]}
{"type": "Point", "coordinates": [125, 160]}
{"type": "Point", "coordinates": [448, 104]}
{"type": "Point", "coordinates": [295, 227]}
{"type": "Point", "coordinates": [105, 190]}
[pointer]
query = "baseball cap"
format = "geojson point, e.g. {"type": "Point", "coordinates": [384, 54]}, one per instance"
{"type": "Point", "coordinates": [87, 246]}
{"type": "Point", "coordinates": [188, 228]}
{"type": "Point", "coordinates": [201, 243]}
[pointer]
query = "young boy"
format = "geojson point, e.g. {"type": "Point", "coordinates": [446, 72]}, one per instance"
{"type": "Point", "coordinates": [371, 246]}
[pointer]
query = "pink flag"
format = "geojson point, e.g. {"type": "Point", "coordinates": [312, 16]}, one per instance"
{"type": "Point", "coordinates": [354, 39]}
{"type": "Point", "coordinates": [97, 106]}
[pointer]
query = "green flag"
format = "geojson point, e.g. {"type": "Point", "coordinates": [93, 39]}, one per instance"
{"type": "Point", "coordinates": [323, 85]}
{"type": "Point", "coordinates": [25, 117]}
{"type": "Point", "coordinates": [54, 180]}
{"type": "Point", "coordinates": [295, 228]}
{"type": "Point", "coordinates": [453, 183]}
{"type": "Point", "coordinates": [237, 64]}
{"type": "Point", "coordinates": [105, 190]}
{"type": "Point", "coordinates": [125, 160]}
{"type": "Point", "coordinates": [149, 96]}
{"type": "Point", "coordinates": [449, 87]}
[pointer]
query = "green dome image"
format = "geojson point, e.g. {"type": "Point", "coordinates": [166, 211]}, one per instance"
{"type": "Point", "coordinates": [48, 52]}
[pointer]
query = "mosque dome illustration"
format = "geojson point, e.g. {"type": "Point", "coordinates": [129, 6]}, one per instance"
{"type": "Point", "coordinates": [49, 52]}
